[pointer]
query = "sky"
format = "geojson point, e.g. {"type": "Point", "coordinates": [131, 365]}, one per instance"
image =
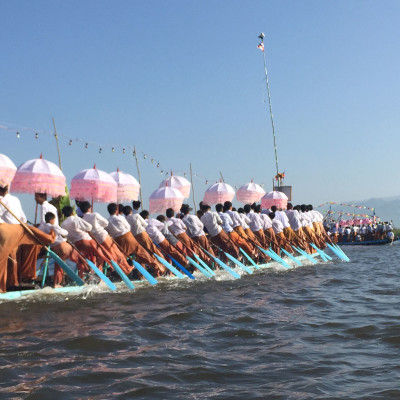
{"type": "Point", "coordinates": [184, 82]}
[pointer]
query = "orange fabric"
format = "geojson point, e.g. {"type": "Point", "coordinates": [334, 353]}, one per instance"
{"type": "Point", "coordinates": [66, 252]}
{"type": "Point", "coordinates": [271, 240]}
{"type": "Point", "coordinates": [114, 253]}
{"type": "Point", "coordinates": [146, 242]}
{"type": "Point", "coordinates": [12, 236]}
{"type": "Point", "coordinates": [283, 242]}
{"type": "Point", "coordinates": [189, 243]}
{"type": "Point", "coordinates": [12, 269]}
{"type": "Point", "coordinates": [240, 242]}
{"type": "Point", "coordinates": [249, 233]}
{"type": "Point", "coordinates": [204, 243]}
{"type": "Point", "coordinates": [223, 241]}
{"type": "Point", "coordinates": [173, 252]}
{"type": "Point", "coordinates": [261, 237]}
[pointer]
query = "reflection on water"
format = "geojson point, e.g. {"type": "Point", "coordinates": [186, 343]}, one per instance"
{"type": "Point", "coordinates": [318, 331]}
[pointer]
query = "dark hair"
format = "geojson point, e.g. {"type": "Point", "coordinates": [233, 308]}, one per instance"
{"type": "Point", "coordinates": [200, 213]}
{"type": "Point", "coordinates": [42, 195]}
{"type": "Point", "coordinates": [273, 208]}
{"type": "Point", "coordinates": [240, 210]}
{"type": "Point", "coordinates": [49, 216]}
{"type": "Point", "coordinates": [127, 210]}
{"type": "Point", "coordinates": [271, 215]}
{"type": "Point", "coordinates": [67, 211]}
{"type": "Point", "coordinates": [257, 208]}
{"type": "Point", "coordinates": [227, 205]}
{"type": "Point", "coordinates": [247, 208]}
{"type": "Point", "coordinates": [253, 206]}
{"type": "Point", "coordinates": [112, 208]}
{"type": "Point", "coordinates": [144, 214]}
{"type": "Point", "coordinates": [303, 207]}
{"type": "Point", "coordinates": [169, 213]}
{"type": "Point", "coordinates": [289, 206]}
{"type": "Point", "coordinates": [136, 204]}
{"type": "Point", "coordinates": [185, 209]}
{"type": "Point", "coordinates": [310, 207]}
{"type": "Point", "coordinates": [120, 208]}
{"type": "Point", "coordinates": [161, 218]}
{"type": "Point", "coordinates": [219, 207]}
{"type": "Point", "coordinates": [205, 208]}
{"type": "Point", "coordinates": [233, 208]}
{"type": "Point", "coordinates": [84, 206]}
{"type": "Point", "coordinates": [4, 189]}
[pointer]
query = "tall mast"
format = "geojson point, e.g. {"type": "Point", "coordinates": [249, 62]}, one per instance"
{"type": "Point", "coordinates": [261, 47]}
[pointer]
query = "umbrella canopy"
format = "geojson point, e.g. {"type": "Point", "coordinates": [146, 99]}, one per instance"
{"type": "Point", "coordinates": [165, 197]}
{"type": "Point", "coordinates": [250, 193]}
{"type": "Point", "coordinates": [274, 198]}
{"type": "Point", "coordinates": [39, 176]}
{"type": "Point", "coordinates": [93, 185]}
{"type": "Point", "coordinates": [7, 170]}
{"type": "Point", "coordinates": [178, 182]}
{"type": "Point", "coordinates": [218, 193]}
{"type": "Point", "coordinates": [127, 186]}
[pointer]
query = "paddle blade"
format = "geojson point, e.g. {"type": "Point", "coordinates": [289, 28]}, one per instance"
{"type": "Point", "coordinates": [122, 275]}
{"type": "Point", "coordinates": [169, 266]}
{"type": "Point", "coordinates": [101, 275]}
{"type": "Point", "coordinates": [66, 268]}
{"type": "Point", "coordinates": [146, 274]}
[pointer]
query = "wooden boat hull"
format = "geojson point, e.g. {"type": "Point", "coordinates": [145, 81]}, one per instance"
{"type": "Point", "coordinates": [368, 242]}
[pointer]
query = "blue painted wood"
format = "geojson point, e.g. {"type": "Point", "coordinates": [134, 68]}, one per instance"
{"type": "Point", "coordinates": [275, 257]}
{"type": "Point", "coordinates": [239, 264]}
{"type": "Point", "coordinates": [101, 275]}
{"type": "Point", "coordinates": [169, 266]}
{"type": "Point", "coordinates": [249, 258]}
{"type": "Point", "coordinates": [308, 256]}
{"type": "Point", "coordinates": [298, 262]}
{"type": "Point", "coordinates": [224, 266]}
{"type": "Point", "coordinates": [65, 267]}
{"type": "Point", "coordinates": [199, 267]}
{"type": "Point", "coordinates": [200, 261]}
{"type": "Point", "coordinates": [122, 275]}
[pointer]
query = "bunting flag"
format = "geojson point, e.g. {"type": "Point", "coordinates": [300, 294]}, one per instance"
{"type": "Point", "coordinates": [347, 205]}
{"type": "Point", "coordinates": [347, 214]}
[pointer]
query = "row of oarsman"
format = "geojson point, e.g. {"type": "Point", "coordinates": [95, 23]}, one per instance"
{"type": "Point", "coordinates": [129, 232]}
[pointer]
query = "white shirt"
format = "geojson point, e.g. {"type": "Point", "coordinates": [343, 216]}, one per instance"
{"type": "Point", "coordinates": [45, 208]}
{"type": "Point", "coordinates": [176, 226]}
{"type": "Point", "coordinates": [153, 229]}
{"type": "Point", "coordinates": [244, 221]}
{"type": "Point", "coordinates": [277, 226]}
{"type": "Point", "coordinates": [77, 228]}
{"type": "Point", "coordinates": [305, 219]}
{"type": "Point", "coordinates": [117, 226]}
{"type": "Point", "coordinates": [137, 223]}
{"type": "Point", "coordinates": [256, 222]}
{"type": "Point", "coordinates": [194, 225]}
{"type": "Point", "coordinates": [98, 223]}
{"type": "Point", "coordinates": [61, 233]}
{"type": "Point", "coordinates": [281, 216]}
{"type": "Point", "coordinates": [294, 219]}
{"type": "Point", "coordinates": [227, 222]}
{"type": "Point", "coordinates": [212, 222]}
{"type": "Point", "coordinates": [267, 223]}
{"type": "Point", "coordinates": [234, 217]}
{"type": "Point", "coordinates": [14, 205]}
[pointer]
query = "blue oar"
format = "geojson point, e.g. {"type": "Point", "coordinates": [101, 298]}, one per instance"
{"type": "Point", "coordinates": [323, 255]}
{"type": "Point", "coordinates": [199, 267]}
{"type": "Point", "coordinates": [46, 264]}
{"type": "Point", "coordinates": [144, 272]}
{"type": "Point", "coordinates": [338, 253]}
{"type": "Point", "coordinates": [65, 267]}
{"type": "Point", "coordinates": [211, 272]}
{"type": "Point", "coordinates": [223, 265]}
{"type": "Point", "coordinates": [169, 266]}
{"type": "Point", "coordinates": [101, 275]}
{"type": "Point", "coordinates": [275, 257]}
{"type": "Point", "coordinates": [337, 247]}
{"type": "Point", "coordinates": [298, 262]}
{"type": "Point", "coordinates": [180, 266]}
{"type": "Point", "coordinates": [305, 254]}
{"type": "Point", "coordinates": [249, 258]}
{"type": "Point", "coordinates": [238, 263]}
{"type": "Point", "coordinates": [122, 275]}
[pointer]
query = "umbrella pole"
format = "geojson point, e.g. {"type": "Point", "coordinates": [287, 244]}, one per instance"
{"type": "Point", "coordinates": [191, 181]}
{"type": "Point", "coordinates": [36, 209]}
{"type": "Point", "coordinates": [138, 171]}
{"type": "Point", "coordinates": [58, 146]}
{"type": "Point", "coordinates": [221, 176]}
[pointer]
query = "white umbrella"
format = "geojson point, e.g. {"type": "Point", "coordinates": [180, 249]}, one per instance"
{"type": "Point", "coordinates": [127, 186]}
{"type": "Point", "coordinates": [218, 193]}
{"type": "Point", "coordinates": [274, 198]}
{"type": "Point", "coordinates": [165, 197]}
{"type": "Point", "coordinates": [39, 176]}
{"type": "Point", "coordinates": [7, 170]}
{"type": "Point", "coordinates": [250, 193]}
{"type": "Point", "coordinates": [177, 182]}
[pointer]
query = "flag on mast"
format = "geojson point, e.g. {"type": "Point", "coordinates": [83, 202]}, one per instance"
{"type": "Point", "coordinates": [261, 46]}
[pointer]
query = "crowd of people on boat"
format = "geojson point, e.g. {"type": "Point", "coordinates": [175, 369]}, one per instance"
{"type": "Point", "coordinates": [380, 231]}
{"type": "Point", "coordinates": [129, 234]}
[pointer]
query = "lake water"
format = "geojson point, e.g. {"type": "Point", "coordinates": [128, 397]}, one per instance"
{"type": "Point", "coordinates": [326, 331]}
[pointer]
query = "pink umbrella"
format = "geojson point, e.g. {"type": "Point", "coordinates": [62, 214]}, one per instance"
{"type": "Point", "coordinates": [218, 193]}
{"type": "Point", "coordinates": [7, 170]}
{"type": "Point", "coordinates": [367, 221]}
{"type": "Point", "coordinates": [274, 198]}
{"type": "Point", "coordinates": [127, 186]}
{"type": "Point", "coordinates": [165, 197]}
{"type": "Point", "coordinates": [250, 193]}
{"type": "Point", "coordinates": [94, 185]}
{"type": "Point", "coordinates": [39, 176]}
{"type": "Point", "coordinates": [177, 182]}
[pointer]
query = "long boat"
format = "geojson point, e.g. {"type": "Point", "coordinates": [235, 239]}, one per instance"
{"type": "Point", "coordinates": [369, 242]}
{"type": "Point", "coordinates": [13, 295]}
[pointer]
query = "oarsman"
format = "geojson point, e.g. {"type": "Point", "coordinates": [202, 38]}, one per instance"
{"type": "Point", "coordinates": [138, 229]}
{"type": "Point", "coordinates": [256, 224]}
{"type": "Point", "coordinates": [45, 207]}
{"type": "Point", "coordinates": [269, 233]}
{"type": "Point", "coordinates": [296, 225]}
{"type": "Point", "coordinates": [195, 228]}
{"type": "Point", "coordinates": [135, 205]}
{"type": "Point", "coordinates": [245, 221]}
{"type": "Point", "coordinates": [17, 267]}
{"type": "Point", "coordinates": [278, 229]}
{"type": "Point", "coordinates": [99, 223]}
{"type": "Point", "coordinates": [306, 220]}
{"type": "Point", "coordinates": [154, 229]}
{"type": "Point", "coordinates": [287, 230]}
{"type": "Point", "coordinates": [60, 246]}
{"type": "Point", "coordinates": [78, 234]}
{"type": "Point", "coordinates": [178, 228]}
{"type": "Point", "coordinates": [227, 226]}
{"type": "Point", "coordinates": [120, 230]}
{"type": "Point", "coordinates": [317, 221]}
{"type": "Point", "coordinates": [213, 222]}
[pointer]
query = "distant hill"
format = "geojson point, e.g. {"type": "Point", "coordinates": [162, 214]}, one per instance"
{"type": "Point", "coordinates": [386, 208]}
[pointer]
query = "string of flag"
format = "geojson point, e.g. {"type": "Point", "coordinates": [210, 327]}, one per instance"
{"type": "Point", "coordinates": [347, 205]}
{"type": "Point", "coordinates": [20, 132]}
{"type": "Point", "coordinates": [328, 212]}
